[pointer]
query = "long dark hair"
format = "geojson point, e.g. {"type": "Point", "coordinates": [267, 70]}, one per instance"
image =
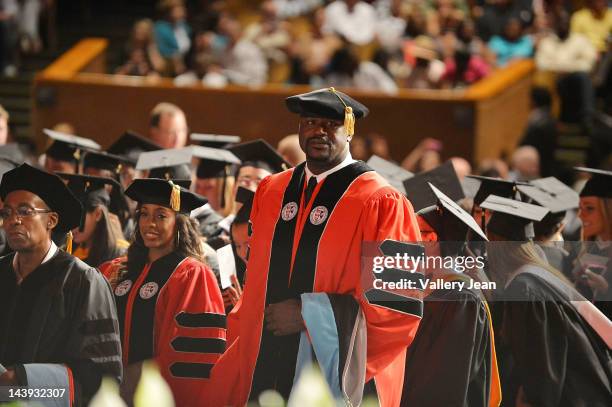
{"type": "Point", "coordinates": [104, 239]}
{"type": "Point", "coordinates": [188, 245]}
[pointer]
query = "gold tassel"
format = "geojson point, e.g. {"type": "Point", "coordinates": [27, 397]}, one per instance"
{"type": "Point", "coordinates": [69, 242]}
{"type": "Point", "coordinates": [349, 121]}
{"type": "Point", "coordinates": [175, 197]}
{"type": "Point", "coordinates": [349, 116]}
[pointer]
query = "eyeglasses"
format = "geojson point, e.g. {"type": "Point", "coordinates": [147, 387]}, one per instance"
{"type": "Point", "coordinates": [21, 212]}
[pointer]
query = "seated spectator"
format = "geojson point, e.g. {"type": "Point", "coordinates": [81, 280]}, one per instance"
{"type": "Point", "coordinates": [512, 44]}
{"type": "Point", "coordinates": [354, 20]}
{"type": "Point", "coordinates": [464, 68]}
{"type": "Point", "coordinates": [243, 62]}
{"type": "Point", "coordinates": [565, 51]}
{"type": "Point", "coordinates": [172, 35]}
{"type": "Point", "coordinates": [312, 51]}
{"type": "Point", "coordinates": [422, 56]}
{"type": "Point", "coordinates": [444, 16]}
{"type": "Point", "coordinates": [345, 70]}
{"type": "Point", "coordinates": [493, 16]}
{"type": "Point", "coordinates": [378, 145]}
{"type": "Point", "coordinates": [595, 22]}
{"type": "Point", "coordinates": [142, 55]}
{"type": "Point", "coordinates": [359, 148]}
{"type": "Point", "coordinates": [293, 8]}
{"type": "Point", "coordinates": [270, 34]}
{"type": "Point", "coordinates": [203, 61]}
{"type": "Point", "coordinates": [466, 34]}
{"type": "Point", "coordinates": [391, 24]}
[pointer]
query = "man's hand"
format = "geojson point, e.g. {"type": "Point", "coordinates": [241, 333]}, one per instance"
{"type": "Point", "coordinates": [9, 378]}
{"type": "Point", "coordinates": [232, 294]}
{"type": "Point", "coordinates": [284, 318]}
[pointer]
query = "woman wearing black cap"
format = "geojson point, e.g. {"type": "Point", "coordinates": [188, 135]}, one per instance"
{"type": "Point", "coordinates": [169, 304]}
{"type": "Point", "coordinates": [553, 345]}
{"type": "Point", "coordinates": [96, 240]}
{"type": "Point", "coordinates": [594, 268]}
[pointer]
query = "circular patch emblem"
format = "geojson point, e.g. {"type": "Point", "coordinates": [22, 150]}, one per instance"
{"type": "Point", "coordinates": [123, 288]}
{"type": "Point", "coordinates": [148, 290]}
{"type": "Point", "coordinates": [318, 215]}
{"type": "Point", "coordinates": [289, 211]}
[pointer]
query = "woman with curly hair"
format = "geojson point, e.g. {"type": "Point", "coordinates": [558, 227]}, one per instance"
{"type": "Point", "coordinates": [169, 304]}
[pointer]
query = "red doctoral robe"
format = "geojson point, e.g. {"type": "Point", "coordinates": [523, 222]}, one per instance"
{"type": "Point", "coordinates": [171, 311]}
{"type": "Point", "coordinates": [316, 247]}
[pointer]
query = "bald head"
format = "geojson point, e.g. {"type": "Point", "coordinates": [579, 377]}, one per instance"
{"type": "Point", "coordinates": [289, 148]}
{"type": "Point", "coordinates": [168, 126]}
{"type": "Point", "coordinates": [526, 162]}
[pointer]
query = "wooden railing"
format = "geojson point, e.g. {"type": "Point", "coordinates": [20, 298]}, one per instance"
{"type": "Point", "coordinates": [484, 120]}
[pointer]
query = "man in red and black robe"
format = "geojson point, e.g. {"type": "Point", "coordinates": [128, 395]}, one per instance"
{"type": "Point", "coordinates": [304, 294]}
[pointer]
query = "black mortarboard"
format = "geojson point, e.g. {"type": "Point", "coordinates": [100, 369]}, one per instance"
{"type": "Point", "coordinates": [449, 220]}
{"type": "Point", "coordinates": [101, 160]}
{"type": "Point", "coordinates": [92, 192]}
{"type": "Point", "coordinates": [50, 188]}
{"type": "Point", "coordinates": [260, 151]}
{"type": "Point", "coordinates": [165, 193]}
{"type": "Point", "coordinates": [444, 177]}
{"type": "Point", "coordinates": [512, 219]}
{"type": "Point", "coordinates": [330, 104]}
{"type": "Point", "coordinates": [493, 186]}
{"type": "Point", "coordinates": [170, 164]}
{"type": "Point", "coordinates": [68, 147]}
{"type": "Point", "coordinates": [599, 185]}
{"type": "Point", "coordinates": [551, 193]}
{"type": "Point", "coordinates": [215, 140]}
{"type": "Point", "coordinates": [213, 161]}
{"type": "Point", "coordinates": [393, 173]}
{"type": "Point", "coordinates": [245, 197]}
{"type": "Point", "coordinates": [130, 145]}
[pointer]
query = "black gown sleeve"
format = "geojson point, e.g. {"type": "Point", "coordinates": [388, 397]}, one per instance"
{"type": "Point", "coordinates": [449, 361]}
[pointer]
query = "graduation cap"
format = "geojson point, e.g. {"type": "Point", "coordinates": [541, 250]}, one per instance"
{"type": "Point", "coordinates": [164, 193]}
{"type": "Point", "coordinates": [130, 145]}
{"type": "Point", "coordinates": [328, 103]}
{"type": "Point", "coordinates": [449, 220]}
{"type": "Point", "coordinates": [101, 160]}
{"type": "Point", "coordinates": [213, 161]}
{"type": "Point", "coordinates": [170, 164]}
{"type": "Point", "coordinates": [215, 140]}
{"type": "Point", "coordinates": [551, 193]}
{"type": "Point", "coordinates": [392, 172]}
{"type": "Point", "coordinates": [260, 154]}
{"type": "Point", "coordinates": [92, 192]}
{"type": "Point", "coordinates": [444, 177]}
{"type": "Point", "coordinates": [50, 188]}
{"type": "Point", "coordinates": [599, 185]}
{"type": "Point", "coordinates": [68, 147]}
{"type": "Point", "coordinates": [245, 197]}
{"type": "Point", "coordinates": [494, 186]}
{"type": "Point", "coordinates": [513, 219]}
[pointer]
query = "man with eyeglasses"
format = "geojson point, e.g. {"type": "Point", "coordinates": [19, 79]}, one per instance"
{"type": "Point", "coordinates": [58, 325]}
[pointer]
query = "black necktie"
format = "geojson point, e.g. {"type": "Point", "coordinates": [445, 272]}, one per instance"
{"type": "Point", "coordinates": [312, 183]}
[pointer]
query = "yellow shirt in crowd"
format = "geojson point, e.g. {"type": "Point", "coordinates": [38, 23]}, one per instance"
{"type": "Point", "coordinates": [596, 30]}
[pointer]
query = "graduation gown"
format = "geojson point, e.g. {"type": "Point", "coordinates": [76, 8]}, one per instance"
{"type": "Point", "coordinates": [556, 357]}
{"type": "Point", "coordinates": [313, 251]}
{"type": "Point", "coordinates": [59, 327]}
{"type": "Point", "coordinates": [452, 360]}
{"type": "Point", "coordinates": [172, 312]}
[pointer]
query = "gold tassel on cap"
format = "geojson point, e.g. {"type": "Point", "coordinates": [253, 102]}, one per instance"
{"type": "Point", "coordinates": [349, 116]}
{"type": "Point", "coordinates": [175, 197]}
{"type": "Point", "coordinates": [69, 242]}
